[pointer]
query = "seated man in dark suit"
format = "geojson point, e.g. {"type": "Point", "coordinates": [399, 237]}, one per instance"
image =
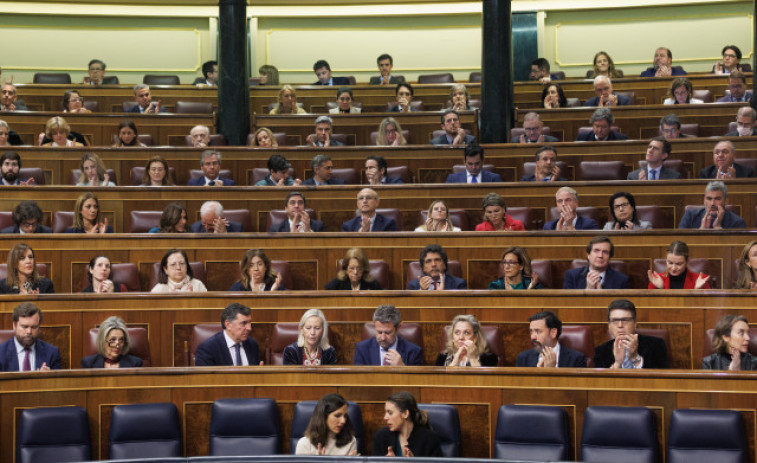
{"type": "Point", "coordinates": [10, 166]}
{"type": "Point", "coordinates": [404, 95]}
{"type": "Point", "coordinates": [545, 329]}
{"type": "Point", "coordinates": [324, 127]}
{"type": "Point", "coordinates": [737, 87]}
{"type": "Point", "coordinates": [323, 172]}
{"type": "Point", "coordinates": [474, 161]}
{"type": "Point", "coordinates": [9, 99]}
{"type": "Point", "coordinates": [658, 151]}
{"type": "Point", "coordinates": [598, 274]}
{"type": "Point", "coordinates": [375, 172]}
{"type": "Point", "coordinates": [369, 220]}
{"type": "Point", "coordinates": [145, 105]}
{"type": "Point", "coordinates": [454, 134]}
{"type": "Point", "coordinates": [723, 166]}
{"type": "Point", "coordinates": [546, 169]}
{"type": "Point", "coordinates": [298, 220]}
{"type": "Point", "coordinates": [209, 75]}
{"type": "Point", "coordinates": [663, 65]}
{"type": "Point", "coordinates": [713, 215]}
{"type": "Point", "coordinates": [670, 127]}
{"type": "Point", "coordinates": [27, 217]}
{"type": "Point", "coordinates": [232, 346]}
{"type": "Point", "coordinates": [387, 348]}
{"type": "Point", "coordinates": [210, 163]}
{"type": "Point", "coordinates": [385, 64]}
{"type": "Point", "coordinates": [540, 68]}
{"type": "Point", "coordinates": [601, 121]}
{"type": "Point", "coordinates": [434, 263]}
{"type": "Point", "coordinates": [745, 118]}
{"type": "Point", "coordinates": [604, 94]}
{"type": "Point", "coordinates": [25, 351]}
{"type": "Point", "coordinates": [213, 221]}
{"type": "Point", "coordinates": [566, 200]}
{"type": "Point", "coordinates": [323, 72]}
{"type": "Point", "coordinates": [628, 349]}
{"type": "Point", "coordinates": [533, 125]}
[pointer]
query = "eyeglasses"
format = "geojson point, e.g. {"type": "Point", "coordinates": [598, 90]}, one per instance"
{"type": "Point", "coordinates": [621, 206]}
{"type": "Point", "coordinates": [510, 262]}
{"type": "Point", "coordinates": [177, 265]}
{"type": "Point", "coordinates": [618, 321]}
{"type": "Point", "coordinates": [79, 99]}
{"type": "Point", "coordinates": [729, 55]}
{"type": "Point", "coordinates": [115, 342]}
{"type": "Point", "coordinates": [354, 269]}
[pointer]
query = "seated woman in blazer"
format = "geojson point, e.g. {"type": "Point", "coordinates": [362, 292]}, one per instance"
{"type": "Point", "coordinates": [112, 347]}
{"type": "Point", "coordinates": [312, 346]}
{"type": "Point", "coordinates": [731, 345]}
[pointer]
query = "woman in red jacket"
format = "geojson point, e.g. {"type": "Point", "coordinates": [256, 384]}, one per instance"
{"type": "Point", "coordinates": [495, 216]}
{"type": "Point", "coordinates": [677, 274]}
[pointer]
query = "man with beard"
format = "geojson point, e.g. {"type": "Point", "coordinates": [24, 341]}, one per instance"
{"type": "Point", "coordinates": [25, 352]}
{"type": "Point", "coordinates": [545, 328]}
{"type": "Point", "coordinates": [387, 348]}
{"type": "Point", "coordinates": [10, 164]}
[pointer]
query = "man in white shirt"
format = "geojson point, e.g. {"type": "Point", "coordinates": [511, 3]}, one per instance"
{"type": "Point", "coordinates": [658, 151]}
{"type": "Point", "coordinates": [545, 329]}
{"type": "Point", "coordinates": [298, 220]}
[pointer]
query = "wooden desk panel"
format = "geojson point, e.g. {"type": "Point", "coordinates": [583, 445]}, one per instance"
{"type": "Point", "coordinates": [477, 394]}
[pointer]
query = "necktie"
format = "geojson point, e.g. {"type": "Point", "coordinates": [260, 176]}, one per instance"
{"type": "Point", "coordinates": [211, 183]}
{"type": "Point", "coordinates": [653, 174]}
{"type": "Point", "coordinates": [473, 179]}
{"type": "Point", "coordinates": [27, 361]}
{"type": "Point", "coordinates": [383, 360]}
{"type": "Point", "coordinates": [238, 355]}
{"type": "Point", "coordinates": [627, 363]}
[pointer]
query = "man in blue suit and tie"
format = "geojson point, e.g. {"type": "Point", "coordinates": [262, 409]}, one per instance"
{"type": "Point", "coordinates": [566, 200]}
{"type": "Point", "coordinates": [145, 105]}
{"type": "Point", "coordinates": [598, 274]}
{"type": "Point", "coordinates": [434, 264]}
{"type": "Point", "coordinates": [454, 134]}
{"type": "Point", "coordinates": [322, 70]}
{"type": "Point", "coordinates": [213, 221]}
{"type": "Point", "coordinates": [387, 348]}
{"type": "Point", "coordinates": [233, 345]}
{"type": "Point", "coordinates": [545, 329]}
{"type": "Point", "coordinates": [474, 161]}
{"type": "Point", "coordinates": [369, 220]}
{"type": "Point", "coordinates": [25, 352]}
{"type": "Point", "coordinates": [210, 163]}
{"type": "Point", "coordinates": [298, 220]}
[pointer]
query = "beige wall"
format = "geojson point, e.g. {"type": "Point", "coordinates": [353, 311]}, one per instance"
{"type": "Point", "coordinates": [423, 38]}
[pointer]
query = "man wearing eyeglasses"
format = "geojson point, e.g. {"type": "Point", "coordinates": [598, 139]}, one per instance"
{"type": "Point", "coordinates": [598, 274]}
{"type": "Point", "coordinates": [96, 72]}
{"type": "Point", "coordinates": [628, 349]}
{"type": "Point", "coordinates": [368, 220]}
{"type": "Point", "coordinates": [532, 126]}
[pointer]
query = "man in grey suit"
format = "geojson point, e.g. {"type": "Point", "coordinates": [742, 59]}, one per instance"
{"type": "Point", "coordinates": [658, 151]}
{"type": "Point", "coordinates": [454, 134]}
{"type": "Point", "coordinates": [533, 125]}
{"type": "Point", "coordinates": [385, 64]}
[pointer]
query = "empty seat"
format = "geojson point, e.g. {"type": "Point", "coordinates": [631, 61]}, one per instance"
{"type": "Point", "coordinates": [601, 170]}
{"type": "Point", "coordinates": [283, 335]}
{"type": "Point", "coordinates": [25, 173]}
{"type": "Point", "coordinates": [619, 434]}
{"type": "Point", "coordinates": [400, 172]}
{"type": "Point", "coordinates": [349, 175]}
{"type": "Point", "coordinates": [155, 79]}
{"type": "Point", "coordinates": [6, 219]}
{"type": "Point", "coordinates": [474, 77]}
{"type": "Point", "coordinates": [704, 436]}
{"type": "Point", "coordinates": [543, 268]}
{"type": "Point", "coordinates": [580, 339]}
{"type": "Point", "coordinates": [52, 78]}
{"type": "Point", "coordinates": [532, 219]}
{"type": "Point", "coordinates": [144, 221]}
{"type": "Point", "coordinates": [530, 432]}
{"type": "Point", "coordinates": [443, 78]}
{"type": "Point", "coordinates": [704, 94]}
{"type": "Point", "coordinates": [110, 80]}
{"type": "Point", "coordinates": [57, 434]}
{"type": "Point", "coordinates": [630, 95]}
{"type": "Point", "coordinates": [301, 417]}
{"type": "Point", "coordinates": [239, 216]}
{"type": "Point", "coordinates": [144, 431]}
{"type": "Point", "coordinates": [139, 346]}
{"type": "Point", "coordinates": [200, 332]}
{"type": "Point", "coordinates": [244, 427]}
{"type": "Point", "coordinates": [446, 423]}
{"type": "Point", "coordinates": [193, 107]}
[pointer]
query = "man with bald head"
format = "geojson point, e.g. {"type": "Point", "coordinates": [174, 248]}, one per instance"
{"type": "Point", "coordinates": [663, 65]}
{"type": "Point", "coordinates": [604, 94]}
{"type": "Point", "coordinates": [368, 219]}
{"type": "Point", "coordinates": [744, 123]}
{"type": "Point", "coordinates": [723, 166]}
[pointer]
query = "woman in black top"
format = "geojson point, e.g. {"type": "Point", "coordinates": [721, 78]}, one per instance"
{"type": "Point", "coordinates": [22, 273]}
{"type": "Point", "coordinates": [355, 273]}
{"type": "Point", "coordinates": [98, 273]}
{"type": "Point", "coordinates": [466, 345]}
{"type": "Point", "coordinates": [112, 347]}
{"type": "Point", "coordinates": [312, 346]}
{"type": "Point", "coordinates": [731, 345]}
{"type": "Point", "coordinates": [257, 273]}
{"type": "Point", "coordinates": [409, 433]}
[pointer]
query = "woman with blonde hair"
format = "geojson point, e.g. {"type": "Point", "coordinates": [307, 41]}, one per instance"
{"type": "Point", "coordinates": [466, 345]}
{"type": "Point", "coordinates": [390, 133]}
{"type": "Point", "coordinates": [112, 347]}
{"type": "Point", "coordinates": [58, 130]}
{"type": "Point", "coordinates": [93, 172]}
{"type": "Point", "coordinates": [264, 138]}
{"type": "Point", "coordinates": [748, 267]}
{"type": "Point", "coordinates": [312, 346]}
{"type": "Point", "coordinates": [88, 217]}
{"type": "Point", "coordinates": [437, 218]}
{"type": "Point", "coordinates": [287, 103]}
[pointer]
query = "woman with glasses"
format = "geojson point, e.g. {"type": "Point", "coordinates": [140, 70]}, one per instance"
{"type": "Point", "coordinates": [731, 61]}
{"type": "Point", "coordinates": [112, 347]}
{"type": "Point", "coordinates": [344, 100]}
{"type": "Point", "coordinates": [681, 92]}
{"type": "Point", "coordinates": [73, 102]}
{"type": "Point", "coordinates": [355, 273]}
{"type": "Point", "coordinates": [176, 275]}
{"type": "Point", "coordinates": [516, 271]}
{"type": "Point", "coordinates": [623, 213]}
{"type": "Point", "coordinates": [496, 217]}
